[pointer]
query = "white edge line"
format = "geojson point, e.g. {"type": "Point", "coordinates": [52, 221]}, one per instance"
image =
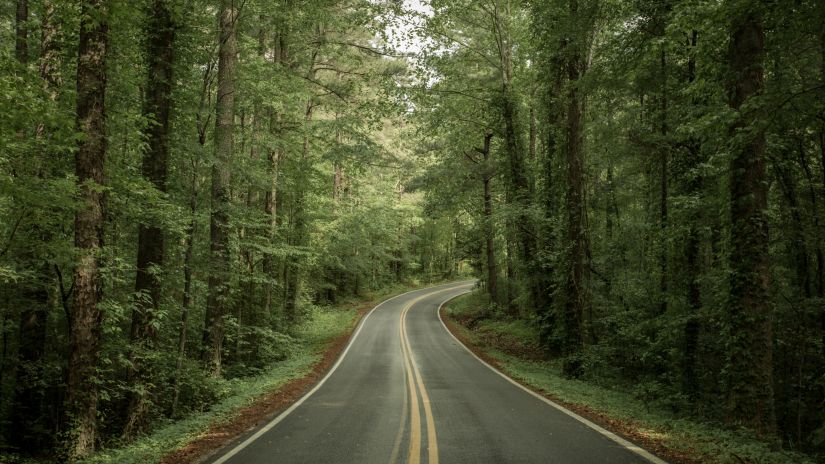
{"type": "Point", "coordinates": [625, 443]}
{"type": "Point", "coordinates": [295, 405]}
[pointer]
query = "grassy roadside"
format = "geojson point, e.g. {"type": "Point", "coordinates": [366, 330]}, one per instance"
{"type": "Point", "coordinates": [323, 335]}
{"type": "Point", "coordinates": [512, 346]}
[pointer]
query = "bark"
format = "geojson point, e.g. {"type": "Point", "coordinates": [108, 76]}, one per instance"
{"type": "Point", "coordinates": [519, 191]}
{"type": "Point", "coordinates": [750, 383]}
{"type": "Point", "coordinates": [663, 187]}
{"type": "Point", "coordinates": [156, 109]}
{"type": "Point", "coordinates": [820, 260]}
{"type": "Point", "coordinates": [489, 234]}
{"type": "Point", "coordinates": [84, 339]}
{"type": "Point", "coordinates": [218, 293]}
{"type": "Point", "coordinates": [572, 320]}
{"type": "Point", "coordinates": [690, 383]}
{"type": "Point", "coordinates": [21, 36]}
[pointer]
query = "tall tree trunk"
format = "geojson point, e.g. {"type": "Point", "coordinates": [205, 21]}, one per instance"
{"type": "Point", "coordinates": [518, 191]}
{"type": "Point", "coordinates": [218, 293]}
{"type": "Point", "coordinates": [156, 109]}
{"type": "Point", "coordinates": [750, 383]}
{"type": "Point", "coordinates": [84, 339]}
{"type": "Point", "coordinates": [819, 258]}
{"type": "Point", "coordinates": [663, 187]}
{"type": "Point", "coordinates": [576, 295]}
{"type": "Point", "coordinates": [21, 26]}
{"type": "Point", "coordinates": [489, 234]}
{"type": "Point", "coordinates": [690, 383]}
{"type": "Point", "coordinates": [574, 153]}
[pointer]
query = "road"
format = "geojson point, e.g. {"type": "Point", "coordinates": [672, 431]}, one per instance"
{"type": "Point", "coordinates": [406, 391]}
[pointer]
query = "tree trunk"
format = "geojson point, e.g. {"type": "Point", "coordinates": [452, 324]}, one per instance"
{"type": "Point", "coordinates": [489, 234]}
{"type": "Point", "coordinates": [663, 188]}
{"type": "Point", "coordinates": [156, 109]}
{"type": "Point", "coordinates": [575, 300]}
{"type": "Point", "coordinates": [519, 194]}
{"type": "Point", "coordinates": [690, 383]}
{"type": "Point", "coordinates": [86, 317]}
{"type": "Point", "coordinates": [750, 383]}
{"type": "Point", "coordinates": [218, 293]}
{"type": "Point", "coordinates": [820, 260]}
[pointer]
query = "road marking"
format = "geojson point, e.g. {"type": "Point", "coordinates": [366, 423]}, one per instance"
{"type": "Point", "coordinates": [606, 433]}
{"type": "Point", "coordinates": [414, 454]}
{"type": "Point", "coordinates": [412, 372]}
{"type": "Point", "coordinates": [432, 441]}
{"type": "Point", "coordinates": [396, 447]}
{"type": "Point", "coordinates": [226, 457]}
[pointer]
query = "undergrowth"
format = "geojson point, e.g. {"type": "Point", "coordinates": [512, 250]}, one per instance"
{"type": "Point", "coordinates": [496, 335]}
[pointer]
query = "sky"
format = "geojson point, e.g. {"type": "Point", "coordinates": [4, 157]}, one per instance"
{"type": "Point", "coordinates": [400, 33]}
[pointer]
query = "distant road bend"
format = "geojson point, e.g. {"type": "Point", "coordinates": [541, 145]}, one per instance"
{"type": "Point", "coordinates": [406, 391]}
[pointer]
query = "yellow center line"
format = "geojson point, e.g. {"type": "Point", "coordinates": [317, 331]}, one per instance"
{"type": "Point", "coordinates": [415, 416]}
{"type": "Point", "coordinates": [396, 447]}
{"type": "Point", "coordinates": [411, 371]}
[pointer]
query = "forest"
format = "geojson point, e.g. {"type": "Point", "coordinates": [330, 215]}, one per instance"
{"type": "Point", "coordinates": [185, 185]}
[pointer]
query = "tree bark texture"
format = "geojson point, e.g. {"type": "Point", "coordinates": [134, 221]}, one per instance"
{"type": "Point", "coordinates": [750, 383]}
{"type": "Point", "coordinates": [690, 383]}
{"type": "Point", "coordinates": [575, 300]}
{"type": "Point", "coordinates": [218, 293]}
{"type": "Point", "coordinates": [84, 339]}
{"type": "Point", "coordinates": [489, 233]}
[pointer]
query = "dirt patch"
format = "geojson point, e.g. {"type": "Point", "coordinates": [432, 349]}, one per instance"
{"type": "Point", "coordinates": [267, 406]}
{"type": "Point", "coordinates": [630, 430]}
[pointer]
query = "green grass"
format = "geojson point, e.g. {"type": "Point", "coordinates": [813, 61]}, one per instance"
{"type": "Point", "coordinates": [704, 442]}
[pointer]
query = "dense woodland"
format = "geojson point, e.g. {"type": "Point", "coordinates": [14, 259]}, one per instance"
{"type": "Point", "coordinates": [182, 181]}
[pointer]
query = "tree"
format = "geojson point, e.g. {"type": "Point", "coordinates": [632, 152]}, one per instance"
{"type": "Point", "coordinates": [86, 317]}
{"type": "Point", "coordinates": [218, 301]}
{"type": "Point", "coordinates": [750, 395]}
{"type": "Point", "coordinates": [157, 107]}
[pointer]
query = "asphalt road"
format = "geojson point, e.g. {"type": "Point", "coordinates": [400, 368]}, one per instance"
{"type": "Point", "coordinates": [406, 391]}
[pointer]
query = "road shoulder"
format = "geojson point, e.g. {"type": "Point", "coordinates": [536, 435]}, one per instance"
{"type": "Point", "coordinates": [673, 439]}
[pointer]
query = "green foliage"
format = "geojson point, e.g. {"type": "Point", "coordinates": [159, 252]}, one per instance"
{"type": "Point", "coordinates": [640, 408]}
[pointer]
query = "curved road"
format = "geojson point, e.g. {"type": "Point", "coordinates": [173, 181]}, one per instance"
{"type": "Point", "coordinates": [406, 391]}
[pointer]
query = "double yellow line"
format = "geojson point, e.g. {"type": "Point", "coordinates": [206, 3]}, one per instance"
{"type": "Point", "coordinates": [414, 380]}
